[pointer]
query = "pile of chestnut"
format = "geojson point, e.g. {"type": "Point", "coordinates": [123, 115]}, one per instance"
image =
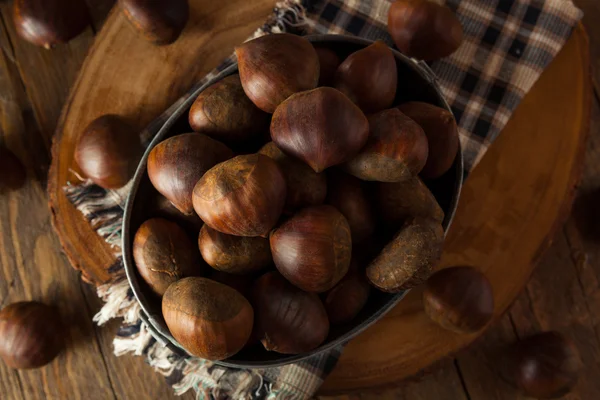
{"type": "Point", "coordinates": [286, 226]}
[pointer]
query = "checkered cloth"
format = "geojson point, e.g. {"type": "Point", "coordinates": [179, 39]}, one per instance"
{"type": "Point", "coordinates": [507, 44]}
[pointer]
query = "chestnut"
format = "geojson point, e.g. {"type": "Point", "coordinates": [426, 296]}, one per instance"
{"type": "Point", "coordinates": [396, 150]}
{"type": "Point", "coordinates": [50, 22]}
{"type": "Point", "coordinates": [175, 165]}
{"type": "Point", "coordinates": [288, 320]}
{"type": "Point", "coordinates": [348, 297]}
{"type": "Point", "coordinates": [243, 196]}
{"type": "Point", "coordinates": [224, 112]}
{"type": "Point", "coordinates": [157, 205]}
{"type": "Point", "coordinates": [164, 254]}
{"type": "Point", "coordinates": [408, 259]}
{"type": "Point", "coordinates": [347, 194]}
{"type": "Point", "coordinates": [423, 29]}
{"type": "Point", "coordinates": [209, 319]}
{"type": "Point", "coordinates": [321, 127]}
{"type": "Point", "coordinates": [12, 171]}
{"type": "Point", "coordinates": [108, 151]}
{"type": "Point", "coordinates": [305, 187]}
{"type": "Point", "coordinates": [398, 201]}
{"type": "Point", "coordinates": [274, 67]}
{"type": "Point", "coordinates": [546, 365]}
{"type": "Point", "coordinates": [442, 135]}
{"type": "Point", "coordinates": [233, 254]}
{"type": "Point", "coordinates": [31, 334]}
{"type": "Point", "coordinates": [459, 299]}
{"type": "Point", "coordinates": [313, 248]}
{"type": "Point", "coordinates": [369, 77]}
{"type": "Point", "coordinates": [159, 21]}
{"type": "Point", "coordinates": [329, 62]}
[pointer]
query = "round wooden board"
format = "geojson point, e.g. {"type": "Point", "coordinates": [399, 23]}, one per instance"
{"type": "Point", "coordinates": [511, 205]}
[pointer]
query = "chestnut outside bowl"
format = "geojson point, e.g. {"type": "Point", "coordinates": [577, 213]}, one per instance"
{"type": "Point", "coordinates": [416, 82]}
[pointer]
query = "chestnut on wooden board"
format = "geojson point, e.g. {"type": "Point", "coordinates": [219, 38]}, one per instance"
{"type": "Point", "coordinates": [398, 201]}
{"type": "Point", "coordinates": [108, 151]}
{"type": "Point", "coordinates": [313, 248]}
{"type": "Point", "coordinates": [243, 196]}
{"type": "Point", "coordinates": [12, 171]}
{"type": "Point", "coordinates": [348, 297]}
{"type": "Point", "coordinates": [234, 254]}
{"type": "Point", "coordinates": [347, 194]}
{"type": "Point", "coordinates": [305, 187]}
{"type": "Point", "coordinates": [442, 135]}
{"type": "Point", "coordinates": [424, 29]}
{"type": "Point", "coordinates": [224, 112]}
{"type": "Point", "coordinates": [329, 62]}
{"type": "Point", "coordinates": [159, 21]}
{"type": "Point", "coordinates": [175, 165]}
{"type": "Point", "coordinates": [31, 334]}
{"type": "Point", "coordinates": [546, 365]}
{"type": "Point", "coordinates": [209, 319]}
{"type": "Point", "coordinates": [369, 77]}
{"type": "Point", "coordinates": [408, 259]}
{"type": "Point", "coordinates": [459, 299]}
{"type": "Point", "coordinates": [274, 67]}
{"type": "Point", "coordinates": [321, 127]}
{"type": "Point", "coordinates": [288, 320]}
{"type": "Point", "coordinates": [50, 22]}
{"type": "Point", "coordinates": [396, 150]}
{"type": "Point", "coordinates": [164, 254]}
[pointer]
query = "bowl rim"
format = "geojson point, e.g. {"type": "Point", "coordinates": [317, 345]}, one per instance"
{"type": "Point", "coordinates": [149, 317]}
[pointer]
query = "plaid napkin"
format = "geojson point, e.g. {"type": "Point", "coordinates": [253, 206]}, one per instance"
{"type": "Point", "coordinates": [507, 44]}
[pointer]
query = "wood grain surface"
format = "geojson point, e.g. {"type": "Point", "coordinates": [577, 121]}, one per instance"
{"type": "Point", "coordinates": [562, 294]}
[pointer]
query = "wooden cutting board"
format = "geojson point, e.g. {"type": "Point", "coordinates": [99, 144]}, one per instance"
{"type": "Point", "coordinates": [510, 208]}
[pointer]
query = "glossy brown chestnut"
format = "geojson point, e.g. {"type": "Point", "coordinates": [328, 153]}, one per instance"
{"type": "Point", "coordinates": [396, 202]}
{"type": "Point", "coordinates": [408, 259]}
{"type": "Point", "coordinates": [347, 194]}
{"type": "Point", "coordinates": [243, 196]}
{"type": "Point", "coordinates": [12, 171]}
{"type": "Point", "coordinates": [459, 299]}
{"type": "Point", "coordinates": [158, 206]}
{"type": "Point", "coordinates": [159, 21]}
{"type": "Point", "coordinates": [31, 334]}
{"type": "Point", "coordinates": [348, 297]}
{"type": "Point", "coordinates": [329, 62]}
{"type": "Point", "coordinates": [396, 150]}
{"type": "Point", "coordinates": [50, 22]}
{"type": "Point", "coordinates": [209, 319]}
{"type": "Point", "coordinates": [547, 365]}
{"type": "Point", "coordinates": [313, 248]}
{"type": "Point", "coordinates": [234, 254]}
{"type": "Point", "coordinates": [322, 127]}
{"type": "Point", "coordinates": [305, 187]}
{"type": "Point", "coordinates": [442, 136]}
{"type": "Point", "coordinates": [288, 320]}
{"type": "Point", "coordinates": [164, 254]}
{"type": "Point", "coordinates": [224, 112]}
{"type": "Point", "coordinates": [424, 29]}
{"type": "Point", "coordinates": [177, 164]}
{"type": "Point", "coordinates": [369, 77]}
{"type": "Point", "coordinates": [274, 67]}
{"type": "Point", "coordinates": [108, 151]}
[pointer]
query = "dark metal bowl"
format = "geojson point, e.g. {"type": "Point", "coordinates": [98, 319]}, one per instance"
{"type": "Point", "coordinates": [416, 83]}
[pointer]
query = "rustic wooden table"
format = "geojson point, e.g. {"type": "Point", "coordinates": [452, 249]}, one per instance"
{"type": "Point", "coordinates": [563, 294]}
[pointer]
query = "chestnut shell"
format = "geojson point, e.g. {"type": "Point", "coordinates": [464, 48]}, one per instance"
{"type": "Point", "coordinates": [159, 21]}
{"type": "Point", "coordinates": [348, 297]}
{"type": "Point", "coordinates": [50, 22]}
{"type": "Point", "coordinates": [164, 254]}
{"type": "Point", "coordinates": [108, 151]}
{"type": "Point", "coordinates": [313, 248]}
{"type": "Point", "coordinates": [31, 334]}
{"type": "Point", "coordinates": [329, 62]}
{"type": "Point", "coordinates": [288, 320]}
{"type": "Point", "coordinates": [209, 319]}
